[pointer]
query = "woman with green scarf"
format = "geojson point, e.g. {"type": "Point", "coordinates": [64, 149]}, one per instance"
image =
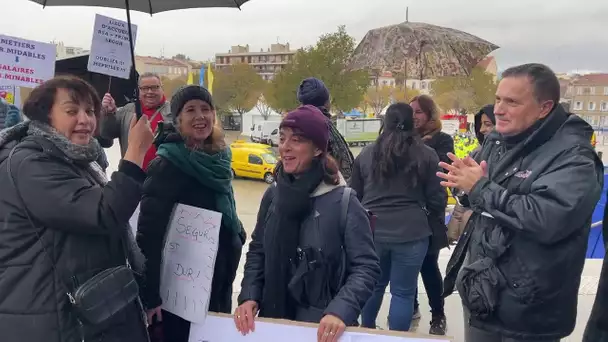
{"type": "Point", "coordinates": [192, 167]}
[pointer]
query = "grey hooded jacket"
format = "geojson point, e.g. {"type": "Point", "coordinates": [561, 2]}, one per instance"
{"type": "Point", "coordinates": [117, 125]}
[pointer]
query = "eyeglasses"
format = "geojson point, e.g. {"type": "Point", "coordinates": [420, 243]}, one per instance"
{"type": "Point", "coordinates": [149, 88]}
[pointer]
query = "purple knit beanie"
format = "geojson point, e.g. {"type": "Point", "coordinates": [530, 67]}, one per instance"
{"type": "Point", "coordinates": [310, 123]}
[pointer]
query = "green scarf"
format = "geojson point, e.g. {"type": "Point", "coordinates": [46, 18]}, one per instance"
{"type": "Point", "coordinates": [213, 171]}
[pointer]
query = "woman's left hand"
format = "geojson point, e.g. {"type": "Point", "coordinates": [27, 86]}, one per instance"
{"type": "Point", "coordinates": [330, 329]}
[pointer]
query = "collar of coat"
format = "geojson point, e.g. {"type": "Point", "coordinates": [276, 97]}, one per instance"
{"type": "Point", "coordinates": [570, 126]}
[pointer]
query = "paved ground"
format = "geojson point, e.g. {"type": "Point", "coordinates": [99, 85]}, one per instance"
{"type": "Point", "coordinates": [248, 195]}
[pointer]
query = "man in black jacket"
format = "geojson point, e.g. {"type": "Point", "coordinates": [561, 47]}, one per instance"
{"type": "Point", "coordinates": [533, 188]}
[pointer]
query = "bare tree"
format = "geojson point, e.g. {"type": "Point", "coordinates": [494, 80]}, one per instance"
{"type": "Point", "coordinates": [263, 107]}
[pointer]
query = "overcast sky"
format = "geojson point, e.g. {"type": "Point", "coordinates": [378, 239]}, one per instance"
{"type": "Point", "coordinates": [565, 34]}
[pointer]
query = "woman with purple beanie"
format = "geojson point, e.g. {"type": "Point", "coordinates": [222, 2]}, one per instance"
{"type": "Point", "coordinates": [312, 91]}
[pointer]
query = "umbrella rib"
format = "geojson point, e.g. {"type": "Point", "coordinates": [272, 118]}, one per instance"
{"type": "Point", "coordinates": [44, 4]}
{"type": "Point", "coordinates": [466, 72]}
{"type": "Point", "coordinates": [150, 3]}
{"type": "Point", "coordinates": [237, 5]}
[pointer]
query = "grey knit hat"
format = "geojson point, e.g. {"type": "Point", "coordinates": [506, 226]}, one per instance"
{"type": "Point", "coordinates": [187, 93]}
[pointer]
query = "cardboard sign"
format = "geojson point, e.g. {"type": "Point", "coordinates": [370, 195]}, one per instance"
{"type": "Point", "coordinates": [110, 49]}
{"type": "Point", "coordinates": [188, 262]}
{"type": "Point", "coordinates": [221, 328]}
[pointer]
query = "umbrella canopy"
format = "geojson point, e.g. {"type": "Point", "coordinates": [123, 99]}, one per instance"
{"type": "Point", "coordinates": [421, 51]}
{"type": "Point", "coordinates": [146, 6]}
{"type": "Point", "coordinates": [122, 90]}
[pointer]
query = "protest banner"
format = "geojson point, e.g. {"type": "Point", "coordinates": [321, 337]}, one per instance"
{"type": "Point", "coordinates": [110, 49]}
{"type": "Point", "coordinates": [25, 63]}
{"type": "Point", "coordinates": [189, 255]}
{"type": "Point", "coordinates": [221, 328]}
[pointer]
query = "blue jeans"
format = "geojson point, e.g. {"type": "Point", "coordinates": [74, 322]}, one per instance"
{"type": "Point", "coordinates": [400, 264]}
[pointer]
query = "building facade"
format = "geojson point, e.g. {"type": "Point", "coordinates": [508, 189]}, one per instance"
{"type": "Point", "coordinates": [171, 68]}
{"type": "Point", "coordinates": [266, 63]}
{"type": "Point", "coordinates": [62, 51]}
{"type": "Point", "coordinates": [588, 95]}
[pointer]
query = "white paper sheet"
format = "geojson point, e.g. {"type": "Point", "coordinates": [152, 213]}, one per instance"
{"type": "Point", "coordinates": [188, 261]}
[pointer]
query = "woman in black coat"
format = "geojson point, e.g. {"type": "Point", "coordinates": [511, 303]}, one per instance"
{"type": "Point", "coordinates": [428, 124]}
{"type": "Point", "coordinates": [312, 257]}
{"type": "Point", "coordinates": [192, 167]}
{"type": "Point", "coordinates": [80, 219]}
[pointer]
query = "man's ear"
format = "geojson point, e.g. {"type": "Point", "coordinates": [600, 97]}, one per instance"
{"type": "Point", "coordinates": [546, 108]}
{"type": "Point", "coordinates": [318, 152]}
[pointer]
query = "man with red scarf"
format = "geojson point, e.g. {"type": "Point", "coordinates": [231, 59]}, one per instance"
{"type": "Point", "coordinates": [116, 122]}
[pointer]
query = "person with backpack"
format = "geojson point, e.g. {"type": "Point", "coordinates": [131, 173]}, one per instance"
{"type": "Point", "coordinates": [312, 91]}
{"type": "Point", "coordinates": [395, 179]}
{"type": "Point", "coordinates": [308, 218]}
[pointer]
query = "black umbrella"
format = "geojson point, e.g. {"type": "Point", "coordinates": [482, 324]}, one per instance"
{"type": "Point", "coordinates": [122, 90]}
{"type": "Point", "coordinates": [146, 6]}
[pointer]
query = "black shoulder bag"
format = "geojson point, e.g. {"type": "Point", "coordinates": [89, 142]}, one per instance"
{"type": "Point", "coordinates": [439, 230]}
{"type": "Point", "coordinates": [104, 294]}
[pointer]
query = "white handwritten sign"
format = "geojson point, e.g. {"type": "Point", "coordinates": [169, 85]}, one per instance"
{"type": "Point", "coordinates": [25, 63]}
{"type": "Point", "coordinates": [220, 328]}
{"type": "Point", "coordinates": [188, 261]}
{"type": "Point", "coordinates": [110, 50]}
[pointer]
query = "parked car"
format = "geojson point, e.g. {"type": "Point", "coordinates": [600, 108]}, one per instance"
{"type": "Point", "coordinates": [252, 162]}
{"type": "Point", "coordinates": [266, 132]}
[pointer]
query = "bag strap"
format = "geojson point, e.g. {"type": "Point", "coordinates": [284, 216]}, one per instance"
{"type": "Point", "coordinates": [344, 203]}
{"type": "Point", "coordinates": [29, 218]}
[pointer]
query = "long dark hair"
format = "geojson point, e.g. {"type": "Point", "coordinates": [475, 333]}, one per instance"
{"type": "Point", "coordinates": [397, 148]}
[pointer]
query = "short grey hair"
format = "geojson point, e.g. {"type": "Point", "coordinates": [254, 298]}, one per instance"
{"type": "Point", "coordinates": [543, 79]}
{"type": "Point", "coordinates": [148, 75]}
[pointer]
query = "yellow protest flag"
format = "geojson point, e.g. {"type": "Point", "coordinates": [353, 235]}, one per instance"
{"type": "Point", "coordinates": [209, 78]}
{"type": "Point", "coordinates": [190, 78]}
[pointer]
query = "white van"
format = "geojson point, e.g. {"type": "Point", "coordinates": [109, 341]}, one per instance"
{"type": "Point", "coordinates": [266, 132]}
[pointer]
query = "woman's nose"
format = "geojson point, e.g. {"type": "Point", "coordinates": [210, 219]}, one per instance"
{"type": "Point", "coordinates": [83, 116]}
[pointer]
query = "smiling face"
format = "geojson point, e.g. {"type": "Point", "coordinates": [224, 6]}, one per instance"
{"type": "Point", "coordinates": [296, 151]}
{"type": "Point", "coordinates": [486, 125]}
{"type": "Point", "coordinates": [196, 121]}
{"type": "Point", "coordinates": [420, 117]}
{"type": "Point", "coordinates": [517, 108]}
{"type": "Point", "coordinates": [75, 120]}
{"type": "Point", "coordinates": [150, 91]}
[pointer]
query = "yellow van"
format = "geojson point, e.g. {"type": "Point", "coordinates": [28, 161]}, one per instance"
{"type": "Point", "coordinates": [253, 163]}
{"type": "Point", "coordinates": [247, 144]}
